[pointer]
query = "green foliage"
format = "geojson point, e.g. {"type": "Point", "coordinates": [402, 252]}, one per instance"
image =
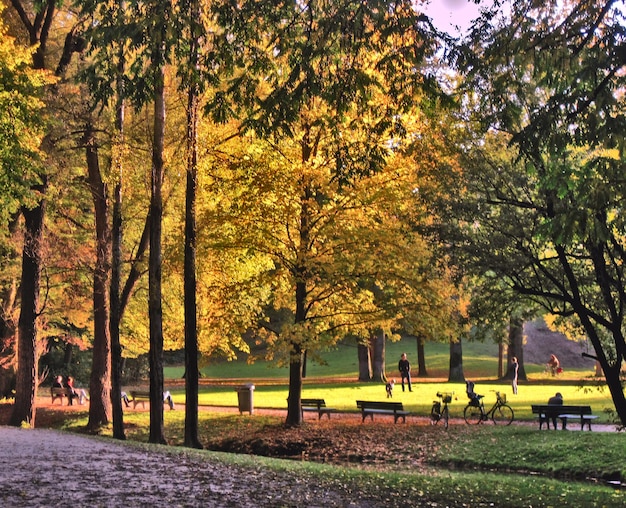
{"type": "Point", "coordinates": [541, 221]}
{"type": "Point", "coordinates": [355, 66]}
{"type": "Point", "coordinates": [21, 126]}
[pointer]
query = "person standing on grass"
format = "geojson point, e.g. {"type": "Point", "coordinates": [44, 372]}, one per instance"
{"type": "Point", "coordinates": [405, 371]}
{"type": "Point", "coordinates": [514, 369]}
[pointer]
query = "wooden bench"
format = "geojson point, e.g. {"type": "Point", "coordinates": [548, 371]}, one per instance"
{"type": "Point", "coordinates": [547, 412]}
{"type": "Point", "coordinates": [141, 397]}
{"type": "Point", "coordinates": [316, 405]}
{"type": "Point", "coordinates": [138, 397]}
{"type": "Point", "coordinates": [370, 408]}
{"type": "Point", "coordinates": [59, 393]}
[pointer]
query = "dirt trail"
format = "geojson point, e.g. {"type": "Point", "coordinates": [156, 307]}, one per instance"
{"type": "Point", "coordinates": [55, 469]}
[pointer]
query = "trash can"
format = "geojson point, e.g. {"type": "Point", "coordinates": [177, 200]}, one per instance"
{"type": "Point", "coordinates": [244, 396]}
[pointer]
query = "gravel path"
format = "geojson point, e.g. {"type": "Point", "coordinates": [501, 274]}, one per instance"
{"type": "Point", "coordinates": [54, 469]}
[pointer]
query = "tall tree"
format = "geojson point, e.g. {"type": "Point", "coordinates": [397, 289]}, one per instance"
{"type": "Point", "coordinates": [309, 67]}
{"type": "Point", "coordinates": [548, 221]}
{"type": "Point", "coordinates": [192, 81]}
{"type": "Point", "coordinates": [100, 380]}
{"type": "Point", "coordinates": [20, 158]}
{"type": "Point", "coordinates": [38, 25]}
{"type": "Point", "coordinates": [158, 58]}
{"type": "Point", "coordinates": [360, 269]}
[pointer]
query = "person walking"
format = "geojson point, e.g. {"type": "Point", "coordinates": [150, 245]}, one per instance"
{"type": "Point", "coordinates": [514, 369]}
{"type": "Point", "coordinates": [405, 371]}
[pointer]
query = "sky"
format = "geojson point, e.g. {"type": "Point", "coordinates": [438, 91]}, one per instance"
{"type": "Point", "coordinates": [448, 13]}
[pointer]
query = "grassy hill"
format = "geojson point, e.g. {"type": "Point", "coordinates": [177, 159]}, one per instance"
{"type": "Point", "coordinates": [480, 360]}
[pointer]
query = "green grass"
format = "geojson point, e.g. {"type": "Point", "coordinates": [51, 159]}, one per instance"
{"type": "Point", "coordinates": [343, 396]}
{"type": "Point", "coordinates": [341, 362]}
{"type": "Point", "coordinates": [335, 381]}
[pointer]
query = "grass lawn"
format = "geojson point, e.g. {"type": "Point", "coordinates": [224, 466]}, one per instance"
{"type": "Point", "coordinates": [334, 379]}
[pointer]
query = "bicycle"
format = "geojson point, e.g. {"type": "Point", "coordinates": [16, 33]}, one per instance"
{"type": "Point", "coordinates": [501, 413]}
{"type": "Point", "coordinates": [440, 410]}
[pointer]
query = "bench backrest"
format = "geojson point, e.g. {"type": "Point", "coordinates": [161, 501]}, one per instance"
{"type": "Point", "coordinates": [391, 406]}
{"type": "Point", "coordinates": [58, 391]}
{"type": "Point", "coordinates": [313, 402]}
{"type": "Point", "coordinates": [558, 409]}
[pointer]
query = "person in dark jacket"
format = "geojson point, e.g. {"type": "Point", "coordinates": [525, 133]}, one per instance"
{"type": "Point", "coordinates": [556, 400]}
{"type": "Point", "coordinates": [405, 371]}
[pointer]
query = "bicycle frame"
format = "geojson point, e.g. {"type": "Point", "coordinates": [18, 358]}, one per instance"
{"type": "Point", "coordinates": [498, 403]}
{"type": "Point", "coordinates": [439, 410]}
{"type": "Point", "coordinates": [500, 412]}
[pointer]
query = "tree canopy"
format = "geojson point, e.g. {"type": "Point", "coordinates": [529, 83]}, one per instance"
{"type": "Point", "coordinates": [544, 87]}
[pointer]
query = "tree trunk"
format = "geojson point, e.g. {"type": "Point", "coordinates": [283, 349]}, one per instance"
{"type": "Point", "coordinates": [598, 371]}
{"type": "Point", "coordinates": [378, 358]}
{"type": "Point", "coordinates": [614, 382]}
{"type": "Point", "coordinates": [155, 311]}
{"type": "Point", "coordinates": [294, 398]}
{"type": "Point", "coordinates": [456, 362]}
{"type": "Point", "coordinates": [8, 338]}
{"type": "Point", "coordinates": [500, 359]}
{"type": "Point", "coordinates": [297, 353]}
{"type": "Point", "coordinates": [115, 317]}
{"type": "Point", "coordinates": [25, 407]}
{"type": "Point", "coordinates": [612, 370]}
{"type": "Point", "coordinates": [67, 354]}
{"type": "Point", "coordinates": [421, 358]}
{"type": "Point", "coordinates": [296, 360]}
{"type": "Point", "coordinates": [115, 304]}
{"type": "Point", "coordinates": [100, 381]}
{"type": "Point", "coordinates": [516, 348]}
{"type": "Point", "coordinates": [365, 363]}
{"type": "Point", "coordinates": [191, 329]}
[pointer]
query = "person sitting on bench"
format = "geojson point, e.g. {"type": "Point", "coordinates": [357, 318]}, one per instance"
{"type": "Point", "coordinates": [556, 400]}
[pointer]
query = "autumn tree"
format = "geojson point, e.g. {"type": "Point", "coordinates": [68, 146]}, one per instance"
{"type": "Point", "coordinates": [38, 23]}
{"type": "Point", "coordinates": [355, 267]}
{"type": "Point", "coordinates": [308, 71]}
{"type": "Point", "coordinates": [191, 77]}
{"type": "Point", "coordinates": [21, 174]}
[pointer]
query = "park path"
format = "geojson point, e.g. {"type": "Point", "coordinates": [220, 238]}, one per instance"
{"type": "Point", "coordinates": [48, 468]}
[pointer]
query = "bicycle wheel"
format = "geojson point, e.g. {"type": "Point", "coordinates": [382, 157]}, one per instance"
{"type": "Point", "coordinates": [502, 415]}
{"type": "Point", "coordinates": [434, 413]}
{"type": "Point", "coordinates": [472, 414]}
{"type": "Point", "coordinates": [445, 415]}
